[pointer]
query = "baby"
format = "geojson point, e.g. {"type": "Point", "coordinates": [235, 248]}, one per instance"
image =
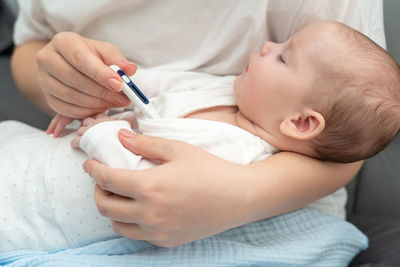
{"type": "Point", "coordinates": [328, 92]}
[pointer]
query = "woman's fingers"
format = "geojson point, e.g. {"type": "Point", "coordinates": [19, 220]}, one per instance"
{"type": "Point", "coordinates": [123, 182]}
{"type": "Point", "coordinates": [92, 58]}
{"type": "Point", "coordinates": [127, 218]}
{"type": "Point", "coordinates": [70, 110]}
{"type": "Point", "coordinates": [76, 52]}
{"type": "Point", "coordinates": [77, 97]}
{"type": "Point", "coordinates": [110, 55]}
{"type": "Point", "coordinates": [151, 147]}
{"type": "Point", "coordinates": [74, 75]}
{"type": "Point", "coordinates": [130, 230]}
{"type": "Point", "coordinates": [92, 94]}
{"type": "Point", "coordinates": [115, 207]}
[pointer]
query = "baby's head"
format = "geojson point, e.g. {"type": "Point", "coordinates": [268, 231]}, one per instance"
{"type": "Point", "coordinates": [328, 92]}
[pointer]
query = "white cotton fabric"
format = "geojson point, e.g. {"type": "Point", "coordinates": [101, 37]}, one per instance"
{"type": "Point", "coordinates": [30, 172]}
{"type": "Point", "coordinates": [47, 199]}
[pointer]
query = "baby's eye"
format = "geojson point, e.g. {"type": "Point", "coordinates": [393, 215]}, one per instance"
{"type": "Point", "coordinates": [281, 59]}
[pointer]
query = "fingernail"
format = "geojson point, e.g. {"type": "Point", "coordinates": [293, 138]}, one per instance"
{"type": "Point", "coordinates": [115, 85]}
{"type": "Point", "coordinates": [126, 133]}
{"type": "Point", "coordinates": [128, 64]}
{"type": "Point", "coordinates": [125, 61]}
{"type": "Point", "coordinates": [132, 64]}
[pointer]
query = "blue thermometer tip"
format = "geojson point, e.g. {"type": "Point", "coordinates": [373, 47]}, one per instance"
{"type": "Point", "coordinates": [133, 87]}
{"type": "Point", "coordinates": [138, 99]}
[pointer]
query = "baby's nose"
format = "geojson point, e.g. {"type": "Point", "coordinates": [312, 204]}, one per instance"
{"type": "Point", "coordinates": [266, 48]}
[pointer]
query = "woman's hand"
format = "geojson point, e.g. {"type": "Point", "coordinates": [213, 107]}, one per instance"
{"type": "Point", "coordinates": [194, 194]}
{"type": "Point", "coordinates": [184, 199]}
{"type": "Point", "coordinates": [74, 76]}
{"type": "Point", "coordinates": [86, 124]}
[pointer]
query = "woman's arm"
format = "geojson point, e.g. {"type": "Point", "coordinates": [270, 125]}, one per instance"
{"type": "Point", "coordinates": [291, 181]}
{"type": "Point", "coordinates": [24, 70]}
{"type": "Point", "coordinates": [194, 194]}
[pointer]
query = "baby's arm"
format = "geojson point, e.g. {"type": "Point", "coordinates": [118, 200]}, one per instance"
{"type": "Point", "coordinates": [85, 125]}
{"type": "Point", "coordinates": [98, 137]}
{"type": "Point", "coordinates": [59, 122]}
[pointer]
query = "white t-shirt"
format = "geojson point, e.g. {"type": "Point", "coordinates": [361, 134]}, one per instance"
{"type": "Point", "coordinates": [215, 37]}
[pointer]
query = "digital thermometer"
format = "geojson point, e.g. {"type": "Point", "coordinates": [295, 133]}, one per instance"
{"type": "Point", "coordinates": [135, 95]}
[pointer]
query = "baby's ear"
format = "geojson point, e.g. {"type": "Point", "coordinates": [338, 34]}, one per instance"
{"type": "Point", "coordinates": [303, 126]}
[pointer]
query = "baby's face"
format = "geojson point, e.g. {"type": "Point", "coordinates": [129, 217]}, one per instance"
{"type": "Point", "coordinates": [278, 79]}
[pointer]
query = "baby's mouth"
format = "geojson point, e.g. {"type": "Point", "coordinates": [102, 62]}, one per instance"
{"type": "Point", "coordinates": [246, 69]}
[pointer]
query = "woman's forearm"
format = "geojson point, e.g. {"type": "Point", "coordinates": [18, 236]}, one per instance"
{"type": "Point", "coordinates": [24, 70]}
{"type": "Point", "coordinates": [288, 181]}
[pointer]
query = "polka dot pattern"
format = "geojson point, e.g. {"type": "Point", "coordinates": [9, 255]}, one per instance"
{"type": "Point", "coordinates": [46, 199]}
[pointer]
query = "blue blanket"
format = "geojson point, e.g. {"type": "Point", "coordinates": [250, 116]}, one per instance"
{"type": "Point", "coordinates": [302, 238]}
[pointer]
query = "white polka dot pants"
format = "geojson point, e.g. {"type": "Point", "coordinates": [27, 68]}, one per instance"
{"type": "Point", "coordinates": [46, 199]}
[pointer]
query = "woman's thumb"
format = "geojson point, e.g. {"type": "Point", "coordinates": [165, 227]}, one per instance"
{"type": "Point", "coordinates": [110, 55]}
{"type": "Point", "coordinates": [150, 147]}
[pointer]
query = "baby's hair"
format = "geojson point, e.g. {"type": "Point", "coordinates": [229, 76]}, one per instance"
{"type": "Point", "coordinates": [360, 101]}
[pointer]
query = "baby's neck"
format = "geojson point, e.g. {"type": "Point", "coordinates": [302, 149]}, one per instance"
{"type": "Point", "coordinates": [222, 113]}
{"type": "Point", "coordinates": [232, 115]}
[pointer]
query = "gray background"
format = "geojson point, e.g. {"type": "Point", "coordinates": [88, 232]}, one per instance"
{"type": "Point", "coordinates": [391, 12]}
